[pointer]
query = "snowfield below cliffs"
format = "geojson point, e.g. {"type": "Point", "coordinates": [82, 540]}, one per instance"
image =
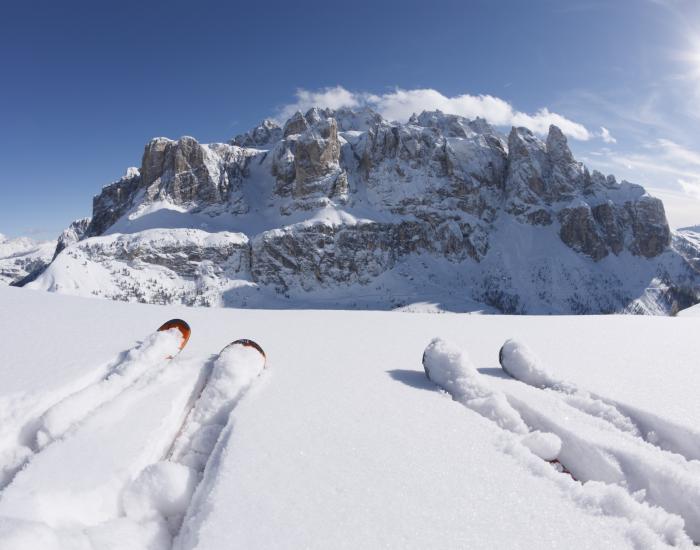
{"type": "Point", "coordinates": [21, 256]}
{"type": "Point", "coordinates": [342, 441]}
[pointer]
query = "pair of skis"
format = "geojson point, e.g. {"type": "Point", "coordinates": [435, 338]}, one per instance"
{"type": "Point", "coordinates": [448, 367]}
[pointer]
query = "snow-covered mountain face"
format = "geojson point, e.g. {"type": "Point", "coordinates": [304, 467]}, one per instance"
{"type": "Point", "coordinates": [22, 256]}
{"type": "Point", "coordinates": [345, 209]}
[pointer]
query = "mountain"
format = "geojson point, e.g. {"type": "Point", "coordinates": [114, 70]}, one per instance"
{"type": "Point", "coordinates": [341, 208]}
{"type": "Point", "coordinates": [22, 256]}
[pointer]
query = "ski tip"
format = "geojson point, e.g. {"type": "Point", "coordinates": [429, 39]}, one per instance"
{"type": "Point", "coordinates": [245, 342]}
{"type": "Point", "coordinates": [425, 365]}
{"type": "Point", "coordinates": [180, 325]}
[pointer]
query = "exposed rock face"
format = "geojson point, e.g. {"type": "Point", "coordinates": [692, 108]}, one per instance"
{"type": "Point", "coordinates": [113, 202]}
{"type": "Point", "coordinates": [187, 173]}
{"type": "Point", "coordinates": [316, 161]}
{"type": "Point", "coordinates": [296, 125]}
{"type": "Point", "coordinates": [266, 133]}
{"type": "Point", "coordinates": [540, 174]}
{"type": "Point", "coordinates": [325, 255]}
{"type": "Point", "coordinates": [651, 234]}
{"type": "Point", "coordinates": [580, 231]}
{"type": "Point", "coordinates": [72, 234]}
{"type": "Point", "coordinates": [516, 222]}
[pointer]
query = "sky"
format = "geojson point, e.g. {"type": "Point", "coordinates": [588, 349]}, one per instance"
{"type": "Point", "coordinates": [84, 85]}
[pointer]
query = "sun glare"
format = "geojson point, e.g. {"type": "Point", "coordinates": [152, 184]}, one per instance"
{"type": "Point", "coordinates": [692, 57]}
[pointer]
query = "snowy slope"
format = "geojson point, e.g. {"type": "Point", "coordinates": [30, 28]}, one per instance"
{"type": "Point", "coordinates": [527, 269]}
{"type": "Point", "coordinates": [342, 442]}
{"type": "Point", "coordinates": [690, 312]}
{"type": "Point", "coordinates": [20, 256]}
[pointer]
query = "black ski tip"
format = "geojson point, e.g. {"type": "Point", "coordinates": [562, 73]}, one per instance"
{"type": "Point", "coordinates": [248, 344]}
{"type": "Point", "coordinates": [425, 366]}
{"type": "Point", "coordinates": [502, 361]}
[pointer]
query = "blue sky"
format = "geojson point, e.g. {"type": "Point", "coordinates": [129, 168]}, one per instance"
{"type": "Point", "coordinates": [84, 85]}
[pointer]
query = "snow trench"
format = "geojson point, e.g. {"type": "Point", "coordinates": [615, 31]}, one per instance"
{"type": "Point", "coordinates": [52, 416]}
{"type": "Point", "coordinates": [131, 496]}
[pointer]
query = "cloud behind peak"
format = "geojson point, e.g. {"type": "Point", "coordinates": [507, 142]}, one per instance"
{"type": "Point", "coordinates": [400, 104]}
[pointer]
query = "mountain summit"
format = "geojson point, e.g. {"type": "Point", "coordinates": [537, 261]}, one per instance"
{"type": "Point", "coordinates": [341, 208]}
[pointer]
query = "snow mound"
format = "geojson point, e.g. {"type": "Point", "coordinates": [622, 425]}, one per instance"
{"type": "Point", "coordinates": [543, 444]}
{"type": "Point", "coordinates": [163, 489]}
{"type": "Point", "coordinates": [521, 363]}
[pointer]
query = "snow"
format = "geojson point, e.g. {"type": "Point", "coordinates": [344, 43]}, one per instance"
{"type": "Point", "coordinates": [450, 368]}
{"type": "Point", "coordinates": [520, 362]}
{"type": "Point", "coordinates": [233, 372]}
{"type": "Point", "coordinates": [693, 311]}
{"type": "Point", "coordinates": [543, 444]}
{"type": "Point", "coordinates": [22, 255]}
{"type": "Point", "coordinates": [161, 491]}
{"type": "Point", "coordinates": [610, 441]}
{"type": "Point", "coordinates": [342, 441]}
{"type": "Point", "coordinates": [56, 421]}
{"type": "Point", "coordinates": [527, 267]}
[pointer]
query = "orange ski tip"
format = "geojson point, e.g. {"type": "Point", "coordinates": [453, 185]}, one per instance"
{"type": "Point", "coordinates": [180, 325]}
{"type": "Point", "coordinates": [249, 344]}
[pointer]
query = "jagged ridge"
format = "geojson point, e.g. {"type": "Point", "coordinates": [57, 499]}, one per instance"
{"type": "Point", "coordinates": [338, 205]}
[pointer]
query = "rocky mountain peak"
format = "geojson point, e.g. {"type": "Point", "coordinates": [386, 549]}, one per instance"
{"type": "Point", "coordinates": [333, 199]}
{"type": "Point", "coordinates": [558, 147]}
{"type": "Point", "coordinates": [267, 132]}
{"type": "Point", "coordinates": [296, 124]}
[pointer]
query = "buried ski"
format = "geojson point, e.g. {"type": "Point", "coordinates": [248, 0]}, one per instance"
{"type": "Point", "coordinates": [450, 369]}
{"type": "Point", "coordinates": [182, 327]}
{"type": "Point", "coordinates": [163, 345]}
{"type": "Point", "coordinates": [519, 362]}
{"type": "Point", "coordinates": [233, 372]}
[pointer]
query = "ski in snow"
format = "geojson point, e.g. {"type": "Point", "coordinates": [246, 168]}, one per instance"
{"type": "Point", "coordinates": [520, 363]}
{"type": "Point", "coordinates": [169, 340]}
{"type": "Point", "coordinates": [182, 327]}
{"type": "Point", "coordinates": [234, 371]}
{"type": "Point", "coordinates": [449, 368]}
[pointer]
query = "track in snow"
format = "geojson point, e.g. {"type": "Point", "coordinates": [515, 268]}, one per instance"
{"type": "Point", "coordinates": [70, 406]}
{"type": "Point", "coordinates": [520, 363]}
{"type": "Point", "coordinates": [589, 435]}
{"type": "Point", "coordinates": [173, 412]}
{"type": "Point", "coordinates": [172, 488]}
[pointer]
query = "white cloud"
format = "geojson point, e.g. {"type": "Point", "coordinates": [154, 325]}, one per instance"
{"type": "Point", "coordinates": [677, 153]}
{"type": "Point", "coordinates": [606, 136]}
{"type": "Point", "coordinates": [401, 104]}
{"type": "Point", "coordinates": [326, 98]}
{"type": "Point", "coordinates": [691, 188]}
